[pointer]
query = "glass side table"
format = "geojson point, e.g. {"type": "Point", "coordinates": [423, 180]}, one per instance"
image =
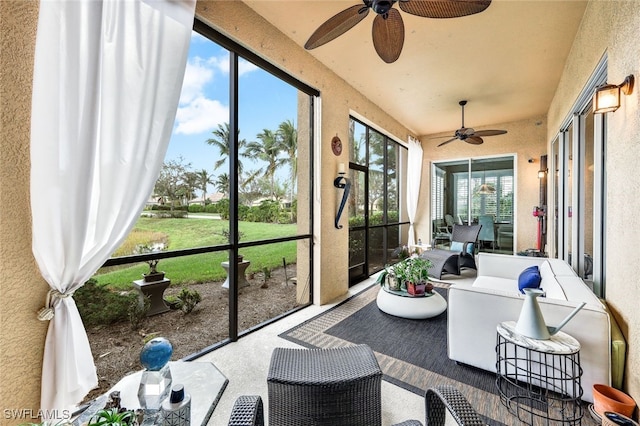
{"type": "Point", "coordinates": [202, 380]}
{"type": "Point", "coordinates": [539, 380]}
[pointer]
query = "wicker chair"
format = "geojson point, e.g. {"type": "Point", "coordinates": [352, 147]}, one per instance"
{"type": "Point", "coordinates": [248, 410]}
{"type": "Point", "coordinates": [447, 397]}
{"type": "Point", "coordinates": [319, 387]}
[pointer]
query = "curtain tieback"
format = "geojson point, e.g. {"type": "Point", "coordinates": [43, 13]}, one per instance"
{"type": "Point", "coordinates": [46, 313]}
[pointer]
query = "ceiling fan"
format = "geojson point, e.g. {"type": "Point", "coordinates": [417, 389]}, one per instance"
{"type": "Point", "coordinates": [468, 135]}
{"type": "Point", "coordinates": [388, 27]}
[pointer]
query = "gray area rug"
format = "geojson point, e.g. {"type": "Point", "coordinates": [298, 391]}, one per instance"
{"type": "Point", "coordinates": [412, 353]}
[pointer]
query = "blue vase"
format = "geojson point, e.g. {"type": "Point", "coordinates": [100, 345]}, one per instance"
{"type": "Point", "coordinates": [156, 353]}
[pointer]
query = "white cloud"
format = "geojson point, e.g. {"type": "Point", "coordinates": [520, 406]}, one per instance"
{"type": "Point", "coordinates": [200, 115]}
{"type": "Point", "coordinates": [220, 62]}
{"type": "Point", "coordinates": [197, 113]}
{"type": "Point", "coordinates": [245, 67]}
{"type": "Point", "coordinates": [196, 76]}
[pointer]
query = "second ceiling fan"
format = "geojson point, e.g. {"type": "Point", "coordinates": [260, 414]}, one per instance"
{"type": "Point", "coordinates": [469, 135]}
{"type": "Point", "coordinates": [388, 27]}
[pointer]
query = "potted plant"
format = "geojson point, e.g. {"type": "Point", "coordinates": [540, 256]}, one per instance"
{"type": "Point", "coordinates": [389, 278]}
{"type": "Point", "coordinates": [401, 272]}
{"type": "Point", "coordinates": [418, 275]}
{"type": "Point", "coordinates": [153, 275]}
{"type": "Point", "coordinates": [113, 417]}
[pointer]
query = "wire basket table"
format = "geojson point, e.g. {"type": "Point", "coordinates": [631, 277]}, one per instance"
{"type": "Point", "coordinates": [539, 380]}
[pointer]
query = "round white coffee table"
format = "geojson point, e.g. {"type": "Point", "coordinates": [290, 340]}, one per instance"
{"type": "Point", "coordinates": [402, 304]}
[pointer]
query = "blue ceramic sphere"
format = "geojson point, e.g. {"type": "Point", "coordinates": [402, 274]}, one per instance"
{"type": "Point", "coordinates": [156, 353]}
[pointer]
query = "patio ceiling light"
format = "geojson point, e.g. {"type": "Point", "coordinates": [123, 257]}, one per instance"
{"type": "Point", "coordinates": [486, 189]}
{"type": "Point", "coordinates": [607, 97]}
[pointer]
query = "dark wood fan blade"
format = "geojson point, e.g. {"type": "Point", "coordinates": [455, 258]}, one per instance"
{"type": "Point", "coordinates": [336, 26]}
{"type": "Point", "coordinates": [474, 140]}
{"type": "Point", "coordinates": [446, 142]}
{"type": "Point", "coordinates": [489, 132]}
{"type": "Point", "coordinates": [444, 8]}
{"type": "Point", "coordinates": [388, 35]}
{"type": "Point", "coordinates": [440, 137]}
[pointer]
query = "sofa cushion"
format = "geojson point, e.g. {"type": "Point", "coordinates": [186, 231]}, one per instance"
{"type": "Point", "coordinates": [545, 270]}
{"type": "Point", "coordinates": [496, 283]}
{"type": "Point", "coordinates": [576, 290]}
{"type": "Point", "coordinates": [618, 351]}
{"type": "Point", "coordinates": [529, 278]}
{"type": "Point", "coordinates": [552, 288]}
{"type": "Point", "coordinates": [561, 268]}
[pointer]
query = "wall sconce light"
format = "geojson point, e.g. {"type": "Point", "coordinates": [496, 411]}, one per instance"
{"type": "Point", "coordinates": [341, 182]}
{"type": "Point", "coordinates": [607, 97]}
{"type": "Point", "coordinates": [542, 174]}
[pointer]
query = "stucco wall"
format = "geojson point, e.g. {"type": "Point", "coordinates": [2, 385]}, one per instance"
{"type": "Point", "coordinates": [526, 139]}
{"type": "Point", "coordinates": [243, 25]}
{"type": "Point", "coordinates": [22, 288]}
{"type": "Point", "coordinates": [613, 27]}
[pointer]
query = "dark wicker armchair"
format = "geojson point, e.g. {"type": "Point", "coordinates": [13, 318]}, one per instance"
{"type": "Point", "coordinates": [320, 387]}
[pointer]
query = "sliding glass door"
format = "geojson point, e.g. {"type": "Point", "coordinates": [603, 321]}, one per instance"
{"type": "Point", "coordinates": [478, 190]}
{"type": "Point", "coordinates": [579, 188]}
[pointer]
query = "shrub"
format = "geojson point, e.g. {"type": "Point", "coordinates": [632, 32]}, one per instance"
{"type": "Point", "coordinates": [188, 299]}
{"type": "Point", "coordinates": [100, 306]}
{"type": "Point", "coordinates": [137, 312]}
{"type": "Point", "coordinates": [196, 208]}
{"type": "Point", "coordinates": [166, 214]}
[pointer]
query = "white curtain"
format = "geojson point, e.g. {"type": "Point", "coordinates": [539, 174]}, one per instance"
{"type": "Point", "coordinates": [107, 78]}
{"type": "Point", "coordinates": [414, 175]}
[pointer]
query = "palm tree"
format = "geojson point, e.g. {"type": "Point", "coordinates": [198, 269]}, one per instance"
{"type": "Point", "coordinates": [222, 184]}
{"type": "Point", "coordinates": [204, 179]}
{"type": "Point", "coordinates": [288, 139]}
{"type": "Point", "coordinates": [267, 150]}
{"type": "Point", "coordinates": [189, 185]}
{"type": "Point", "coordinates": [221, 141]}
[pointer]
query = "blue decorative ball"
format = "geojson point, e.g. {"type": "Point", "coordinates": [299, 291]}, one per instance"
{"type": "Point", "coordinates": [156, 353]}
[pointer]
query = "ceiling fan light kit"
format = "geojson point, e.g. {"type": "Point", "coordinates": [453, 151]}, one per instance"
{"type": "Point", "coordinates": [388, 26]}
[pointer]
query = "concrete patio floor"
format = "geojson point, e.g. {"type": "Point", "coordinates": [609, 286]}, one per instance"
{"type": "Point", "coordinates": [246, 362]}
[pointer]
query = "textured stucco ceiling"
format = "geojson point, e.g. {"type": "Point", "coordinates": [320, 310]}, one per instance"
{"type": "Point", "coordinates": [506, 61]}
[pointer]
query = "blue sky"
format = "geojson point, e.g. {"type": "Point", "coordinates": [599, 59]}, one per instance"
{"type": "Point", "coordinates": [265, 102]}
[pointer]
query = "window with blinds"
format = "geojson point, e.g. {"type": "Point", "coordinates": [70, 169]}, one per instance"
{"type": "Point", "coordinates": [437, 195]}
{"type": "Point", "coordinates": [498, 204]}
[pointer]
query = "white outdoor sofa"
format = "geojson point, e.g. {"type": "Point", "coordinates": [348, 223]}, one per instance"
{"type": "Point", "coordinates": [475, 310]}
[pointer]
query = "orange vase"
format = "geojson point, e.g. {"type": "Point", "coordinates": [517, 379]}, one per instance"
{"type": "Point", "coordinates": [606, 398]}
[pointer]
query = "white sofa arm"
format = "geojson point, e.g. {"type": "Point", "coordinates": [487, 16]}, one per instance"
{"type": "Point", "coordinates": [474, 313]}
{"type": "Point", "coordinates": [505, 266]}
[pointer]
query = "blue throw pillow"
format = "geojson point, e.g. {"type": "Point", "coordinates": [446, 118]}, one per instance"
{"type": "Point", "coordinates": [529, 278]}
{"type": "Point", "coordinates": [458, 246]}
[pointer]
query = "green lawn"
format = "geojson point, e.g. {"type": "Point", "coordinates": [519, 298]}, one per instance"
{"type": "Point", "coordinates": [191, 233]}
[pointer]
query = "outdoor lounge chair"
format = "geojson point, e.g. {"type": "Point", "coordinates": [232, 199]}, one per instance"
{"type": "Point", "coordinates": [461, 253]}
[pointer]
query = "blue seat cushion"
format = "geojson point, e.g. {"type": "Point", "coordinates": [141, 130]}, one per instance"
{"type": "Point", "coordinates": [458, 246]}
{"type": "Point", "coordinates": [529, 278]}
